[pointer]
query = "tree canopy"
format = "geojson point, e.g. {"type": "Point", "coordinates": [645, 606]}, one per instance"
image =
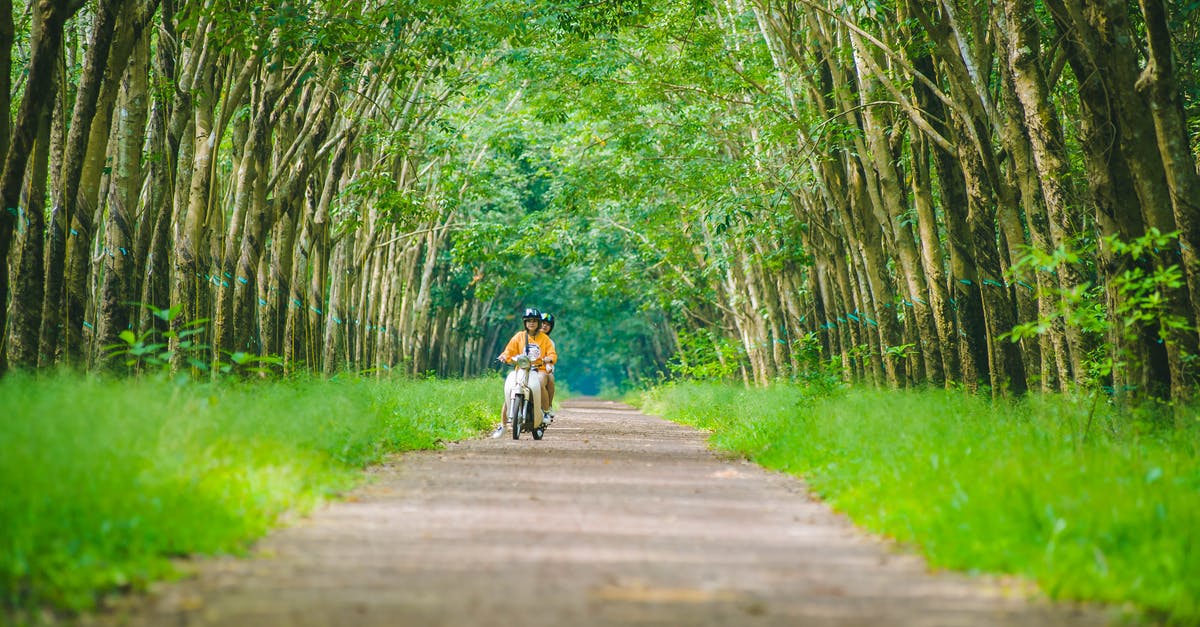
{"type": "Point", "coordinates": [1000, 195]}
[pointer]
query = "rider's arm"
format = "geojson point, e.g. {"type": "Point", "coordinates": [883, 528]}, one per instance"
{"type": "Point", "coordinates": [551, 358]}
{"type": "Point", "coordinates": [512, 349]}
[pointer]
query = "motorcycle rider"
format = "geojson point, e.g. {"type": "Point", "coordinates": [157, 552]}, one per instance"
{"type": "Point", "coordinates": [547, 327]}
{"type": "Point", "coordinates": [536, 345]}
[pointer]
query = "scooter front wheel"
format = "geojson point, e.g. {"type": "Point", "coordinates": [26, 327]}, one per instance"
{"type": "Point", "coordinates": [517, 415]}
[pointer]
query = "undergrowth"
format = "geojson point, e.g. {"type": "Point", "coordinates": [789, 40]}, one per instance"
{"type": "Point", "coordinates": [103, 481]}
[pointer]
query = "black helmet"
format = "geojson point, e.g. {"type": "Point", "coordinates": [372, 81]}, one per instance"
{"type": "Point", "coordinates": [548, 318]}
{"type": "Point", "coordinates": [532, 312]}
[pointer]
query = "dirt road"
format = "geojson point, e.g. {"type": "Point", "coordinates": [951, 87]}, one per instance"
{"type": "Point", "coordinates": [615, 518]}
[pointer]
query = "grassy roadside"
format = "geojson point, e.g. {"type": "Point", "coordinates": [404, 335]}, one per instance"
{"type": "Point", "coordinates": [104, 481]}
{"type": "Point", "coordinates": [1002, 488]}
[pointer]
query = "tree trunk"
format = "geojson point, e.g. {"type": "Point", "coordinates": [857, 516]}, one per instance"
{"type": "Point", "coordinates": [1105, 25]}
{"type": "Point", "coordinates": [57, 333]}
{"type": "Point", "coordinates": [7, 37]}
{"type": "Point", "coordinates": [336, 333]}
{"type": "Point", "coordinates": [983, 304]}
{"type": "Point", "coordinates": [247, 330]}
{"type": "Point", "coordinates": [191, 255]}
{"type": "Point", "coordinates": [301, 336]}
{"type": "Point", "coordinates": [934, 262]}
{"type": "Point", "coordinates": [1005, 367]}
{"type": "Point", "coordinates": [1159, 85]}
{"type": "Point", "coordinates": [1038, 296]}
{"type": "Point", "coordinates": [248, 206]}
{"type": "Point", "coordinates": [48, 20]}
{"type": "Point", "coordinates": [278, 285]}
{"type": "Point", "coordinates": [117, 288]}
{"type": "Point", "coordinates": [891, 212]}
{"type": "Point", "coordinates": [168, 140]}
{"type": "Point", "coordinates": [1049, 152]}
{"type": "Point", "coordinates": [1113, 192]}
{"type": "Point", "coordinates": [27, 294]}
{"type": "Point", "coordinates": [964, 297]}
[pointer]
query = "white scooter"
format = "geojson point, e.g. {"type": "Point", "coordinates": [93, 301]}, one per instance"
{"type": "Point", "coordinates": [520, 403]}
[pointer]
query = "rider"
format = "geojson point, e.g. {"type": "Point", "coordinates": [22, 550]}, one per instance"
{"type": "Point", "coordinates": [547, 327]}
{"type": "Point", "coordinates": [537, 346]}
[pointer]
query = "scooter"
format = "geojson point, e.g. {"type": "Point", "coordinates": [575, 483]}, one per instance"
{"type": "Point", "coordinates": [520, 404]}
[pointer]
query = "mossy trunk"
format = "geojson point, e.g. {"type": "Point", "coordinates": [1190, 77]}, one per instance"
{"type": "Point", "coordinates": [118, 286]}
{"type": "Point", "coordinates": [27, 291]}
{"type": "Point", "coordinates": [49, 18]}
{"type": "Point", "coordinates": [190, 290]}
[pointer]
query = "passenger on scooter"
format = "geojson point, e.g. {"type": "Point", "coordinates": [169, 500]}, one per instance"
{"type": "Point", "coordinates": [548, 402]}
{"type": "Point", "coordinates": [536, 345]}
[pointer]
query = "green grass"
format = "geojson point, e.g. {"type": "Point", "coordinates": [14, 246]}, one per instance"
{"type": "Point", "coordinates": [976, 486]}
{"type": "Point", "coordinates": [104, 481]}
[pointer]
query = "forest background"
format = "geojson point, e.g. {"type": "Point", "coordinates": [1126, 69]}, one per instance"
{"type": "Point", "coordinates": [950, 193]}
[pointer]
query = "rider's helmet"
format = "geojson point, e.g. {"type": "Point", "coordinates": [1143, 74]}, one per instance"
{"type": "Point", "coordinates": [548, 318]}
{"type": "Point", "coordinates": [532, 313]}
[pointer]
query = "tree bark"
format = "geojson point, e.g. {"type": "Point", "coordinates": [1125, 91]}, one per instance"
{"type": "Point", "coordinates": [57, 332]}
{"type": "Point", "coordinates": [248, 205]}
{"type": "Point", "coordinates": [118, 284]}
{"type": "Point", "coordinates": [278, 285]}
{"type": "Point", "coordinates": [1159, 85]}
{"type": "Point", "coordinates": [891, 214]}
{"type": "Point", "coordinates": [156, 263]}
{"type": "Point", "coordinates": [1005, 367]}
{"type": "Point", "coordinates": [952, 195]}
{"type": "Point", "coordinates": [191, 256]}
{"type": "Point", "coordinates": [336, 330]}
{"type": "Point", "coordinates": [7, 37]}
{"type": "Point", "coordinates": [49, 17]}
{"type": "Point", "coordinates": [286, 195]}
{"type": "Point", "coordinates": [964, 295]}
{"type": "Point", "coordinates": [1113, 192]}
{"type": "Point", "coordinates": [1038, 296]}
{"type": "Point", "coordinates": [27, 294]}
{"type": "Point", "coordinates": [1020, 32]}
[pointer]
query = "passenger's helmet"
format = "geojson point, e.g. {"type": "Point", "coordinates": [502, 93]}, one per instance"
{"type": "Point", "coordinates": [532, 312]}
{"type": "Point", "coordinates": [548, 318]}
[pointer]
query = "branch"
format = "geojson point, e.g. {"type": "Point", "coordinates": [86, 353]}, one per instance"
{"type": "Point", "coordinates": [674, 87]}
{"type": "Point", "coordinates": [679, 271]}
{"type": "Point", "coordinates": [431, 229]}
{"type": "Point", "coordinates": [899, 58]}
{"type": "Point", "coordinates": [914, 113]}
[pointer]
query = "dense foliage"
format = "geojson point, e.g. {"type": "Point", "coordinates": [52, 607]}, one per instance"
{"type": "Point", "coordinates": [985, 194]}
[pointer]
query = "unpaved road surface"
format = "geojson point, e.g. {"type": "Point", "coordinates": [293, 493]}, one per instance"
{"type": "Point", "coordinates": [615, 518]}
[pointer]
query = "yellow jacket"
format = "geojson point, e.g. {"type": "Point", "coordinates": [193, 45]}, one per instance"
{"type": "Point", "coordinates": [539, 348]}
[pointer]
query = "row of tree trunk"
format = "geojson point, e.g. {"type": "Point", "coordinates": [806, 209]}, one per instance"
{"type": "Point", "coordinates": [967, 168]}
{"type": "Point", "coordinates": [214, 179]}
{"type": "Point", "coordinates": [248, 182]}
